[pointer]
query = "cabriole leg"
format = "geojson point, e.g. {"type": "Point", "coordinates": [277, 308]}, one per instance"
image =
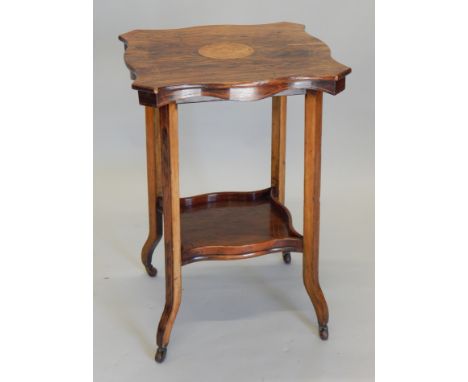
{"type": "Point", "coordinates": [312, 163]}
{"type": "Point", "coordinates": [153, 169]}
{"type": "Point", "coordinates": [172, 243]}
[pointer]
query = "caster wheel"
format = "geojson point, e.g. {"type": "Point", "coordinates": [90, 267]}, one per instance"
{"type": "Point", "coordinates": [287, 258]}
{"type": "Point", "coordinates": [152, 271]}
{"type": "Point", "coordinates": [323, 331]}
{"type": "Point", "coordinates": [160, 355]}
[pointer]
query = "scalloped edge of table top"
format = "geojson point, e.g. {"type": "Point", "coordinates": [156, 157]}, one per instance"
{"type": "Point", "coordinates": [236, 91]}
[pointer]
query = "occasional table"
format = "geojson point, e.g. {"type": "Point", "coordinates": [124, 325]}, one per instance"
{"type": "Point", "coordinates": [235, 63]}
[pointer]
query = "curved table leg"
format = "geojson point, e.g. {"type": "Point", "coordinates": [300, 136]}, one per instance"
{"type": "Point", "coordinates": [149, 247]}
{"type": "Point", "coordinates": [172, 241]}
{"type": "Point", "coordinates": [312, 163]}
{"type": "Point", "coordinates": [153, 168]}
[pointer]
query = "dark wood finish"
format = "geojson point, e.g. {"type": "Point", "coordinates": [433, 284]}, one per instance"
{"type": "Point", "coordinates": [153, 168]}
{"type": "Point", "coordinates": [230, 62]}
{"type": "Point", "coordinates": [149, 99]}
{"type": "Point", "coordinates": [241, 63]}
{"type": "Point", "coordinates": [172, 241]}
{"type": "Point", "coordinates": [312, 164]}
{"type": "Point", "coordinates": [235, 225]}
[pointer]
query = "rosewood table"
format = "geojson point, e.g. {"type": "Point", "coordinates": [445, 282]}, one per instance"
{"type": "Point", "coordinates": [236, 63]}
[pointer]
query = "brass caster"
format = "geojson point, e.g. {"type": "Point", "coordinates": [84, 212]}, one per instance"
{"type": "Point", "coordinates": [323, 331]}
{"type": "Point", "coordinates": [152, 271]}
{"type": "Point", "coordinates": [287, 258]}
{"type": "Point", "coordinates": [160, 354]}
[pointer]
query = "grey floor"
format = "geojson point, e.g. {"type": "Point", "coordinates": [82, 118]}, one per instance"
{"type": "Point", "coordinates": [248, 320]}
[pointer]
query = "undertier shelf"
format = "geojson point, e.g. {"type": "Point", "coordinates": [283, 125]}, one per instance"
{"type": "Point", "coordinates": [235, 225]}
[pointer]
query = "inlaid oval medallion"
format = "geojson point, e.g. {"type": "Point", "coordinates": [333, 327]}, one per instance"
{"type": "Point", "coordinates": [226, 50]}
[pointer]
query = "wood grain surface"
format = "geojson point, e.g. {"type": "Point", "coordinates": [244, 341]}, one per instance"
{"type": "Point", "coordinates": [171, 206]}
{"type": "Point", "coordinates": [235, 225]}
{"type": "Point", "coordinates": [177, 65]}
{"type": "Point", "coordinates": [312, 172]}
{"type": "Point", "coordinates": [225, 50]}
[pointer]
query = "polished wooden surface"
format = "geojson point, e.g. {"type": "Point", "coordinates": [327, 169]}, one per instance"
{"type": "Point", "coordinates": [232, 62]}
{"type": "Point", "coordinates": [172, 240]}
{"type": "Point", "coordinates": [235, 225]}
{"type": "Point", "coordinates": [225, 50]}
{"type": "Point", "coordinates": [312, 165]}
{"type": "Point", "coordinates": [153, 169]}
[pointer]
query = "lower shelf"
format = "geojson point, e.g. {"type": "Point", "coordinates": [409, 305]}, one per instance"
{"type": "Point", "coordinates": [235, 225]}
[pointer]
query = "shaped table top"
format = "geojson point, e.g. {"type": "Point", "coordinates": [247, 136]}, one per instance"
{"type": "Point", "coordinates": [231, 62]}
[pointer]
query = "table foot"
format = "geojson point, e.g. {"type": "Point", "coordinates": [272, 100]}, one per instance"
{"type": "Point", "coordinates": [147, 255]}
{"type": "Point", "coordinates": [323, 331]}
{"type": "Point", "coordinates": [152, 271]}
{"type": "Point", "coordinates": [287, 258]}
{"type": "Point", "coordinates": [160, 354]}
